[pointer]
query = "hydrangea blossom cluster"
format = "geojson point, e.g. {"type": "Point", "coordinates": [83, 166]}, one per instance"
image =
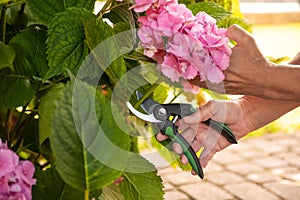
{"type": "Point", "coordinates": [16, 177]}
{"type": "Point", "coordinates": [185, 45]}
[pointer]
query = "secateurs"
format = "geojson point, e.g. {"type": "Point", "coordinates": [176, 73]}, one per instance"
{"type": "Point", "coordinates": [165, 116]}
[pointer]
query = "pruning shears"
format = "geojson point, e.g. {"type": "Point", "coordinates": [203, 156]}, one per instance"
{"type": "Point", "coordinates": [165, 116]}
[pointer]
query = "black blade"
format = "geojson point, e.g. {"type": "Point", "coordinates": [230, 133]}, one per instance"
{"type": "Point", "coordinates": [148, 104]}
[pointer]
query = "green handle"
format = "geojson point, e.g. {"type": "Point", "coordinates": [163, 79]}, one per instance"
{"type": "Point", "coordinates": [186, 149]}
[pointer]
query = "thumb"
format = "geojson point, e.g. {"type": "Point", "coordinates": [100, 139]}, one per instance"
{"type": "Point", "coordinates": [203, 113]}
{"type": "Point", "coordinates": [237, 33]}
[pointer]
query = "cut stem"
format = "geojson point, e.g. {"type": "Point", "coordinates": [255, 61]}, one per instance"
{"type": "Point", "coordinates": [148, 93]}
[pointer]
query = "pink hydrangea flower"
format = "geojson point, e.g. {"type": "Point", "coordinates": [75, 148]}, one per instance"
{"type": "Point", "coordinates": [16, 177]}
{"type": "Point", "coordinates": [184, 45]}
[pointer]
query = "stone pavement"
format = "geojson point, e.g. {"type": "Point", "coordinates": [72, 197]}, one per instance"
{"type": "Point", "coordinates": [266, 168]}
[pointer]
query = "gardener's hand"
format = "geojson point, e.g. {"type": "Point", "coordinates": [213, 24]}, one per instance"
{"type": "Point", "coordinates": [200, 135]}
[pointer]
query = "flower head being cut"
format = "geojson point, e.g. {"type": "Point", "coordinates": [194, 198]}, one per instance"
{"type": "Point", "coordinates": [185, 45]}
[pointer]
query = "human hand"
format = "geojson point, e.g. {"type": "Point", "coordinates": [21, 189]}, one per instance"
{"type": "Point", "coordinates": [200, 135]}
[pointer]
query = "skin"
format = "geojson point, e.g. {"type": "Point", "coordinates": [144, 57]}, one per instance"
{"type": "Point", "coordinates": [265, 87]}
{"type": "Point", "coordinates": [250, 73]}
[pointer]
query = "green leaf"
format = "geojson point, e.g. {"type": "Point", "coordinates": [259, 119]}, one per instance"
{"type": "Point", "coordinates": [66, 48]}
{"type": "Point", "coordinates": [4, 1]}
{"type": "Point", "coordinates": [105, 49]}
{"type": "Point", "coordinates": [142, 186]}
{"type": "Point", "coordinates": [46, 107]}
{"type": "Point", "coordinates": [213, 9]}
{"type": "Point", "coordinates": [85, 137]}
{"type": "Point", "coordinates": [45, 10]}
{"type": "Point", "coordinates": [32, 59]}
{"type": "Point", "coordinates": [15, 90]}
{"type": "Point", "coordinates": [7, 56]}
{"type": "Point", "coordinates": [111, 192]}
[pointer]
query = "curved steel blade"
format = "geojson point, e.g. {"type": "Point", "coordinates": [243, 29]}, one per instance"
{"type": "Point", "coordinates": [148, 105]}
{"type": "Point", "coordinates": [148, 118]}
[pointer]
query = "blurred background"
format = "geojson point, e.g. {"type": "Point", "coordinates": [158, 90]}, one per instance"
{"type": "Point", "coordinates": [276, 28]}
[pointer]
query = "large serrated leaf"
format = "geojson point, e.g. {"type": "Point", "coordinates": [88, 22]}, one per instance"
{"type": "Point", "coordinates": [85, 137]}
{"type": "Point", "coordinates": [142, 186]}
{"type": "Point", "coordinates": [66, 48]}
{"type": "Point", "coordinates": [213, 9]}
{"type": "Point", "coordinates": [45, 10]}
{"type": "Point", "coordinates": [31, 51]}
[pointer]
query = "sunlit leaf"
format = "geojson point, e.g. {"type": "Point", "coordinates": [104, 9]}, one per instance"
{"type": "Point", "coordinates": [142, 186]}
{"type": "Point", "coordinates": [213, 9]}
{"type": "Point", "coordinates": [84, 128]}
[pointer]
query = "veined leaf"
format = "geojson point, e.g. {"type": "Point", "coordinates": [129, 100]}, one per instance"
{"type": "Point", "coordinates": [32, 59]}
{"type": "Point", "coordinates": [142, 186]}
{"type": "Point", "coordinates": [89, 147]}
{"type": "Point", "coordinates": [213, 9]}
{"type": "Point", "coordinates": [65, 43]}
{"type": "Point", "coordinates": [45, 10]}
{"type": "Point", "coordinates": [7, 56]}
{"type": "Point", "coordinates": [15, 90]}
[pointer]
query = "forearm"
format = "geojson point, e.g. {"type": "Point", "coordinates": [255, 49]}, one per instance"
{"type": "Point", "coordinates": [280, 82]}
{"type": "Point", "coordinates": [259, 112]}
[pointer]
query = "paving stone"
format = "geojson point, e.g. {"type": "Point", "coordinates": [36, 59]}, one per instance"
{"type": "Point", "coordinates": [206, 191]}
{"type": "Point", "coordinates": [271, 147]}
{"type": "Point", "coordinates": [224, 158]}
{"type": "Point", "coordinates": [248, 190]}
{"type": "Point", "coordinates": [213, 167]}
{"type": "Point", "coordinates": [263, 177]}
{"type": "Point", "coordinates": [270, 162]}
{"type": "Point", "coordinates": [168, 186]}
{"type": "Point", "coordinates": [222, 178]}
{"type": "Point", "coordinates": [284, 170]}
{"type": "Point", "coordinates": [245, 168]}
{"type": "Point", "coordinates": [175, 195]}
{"type": "Point", "coordinates": [294, 162]}
{"type": "Point", "coordinates": [286, 190]}
{"type": "Point", "coordinates": [293, 176]}
{"type": "Point", "coordinates": [168, 170]}
{"type": "Point", "coordinates": [181, 178]}
{"type": "Point", "coordinates": [251, 154]}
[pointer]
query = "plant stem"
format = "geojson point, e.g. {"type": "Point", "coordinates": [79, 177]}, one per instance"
{"type": "Point", "coordinates": [149, 92]}
{"type": "Point", "coordinates": [86, 195]}
{"type": "Point", "coordinates": [3, 23]}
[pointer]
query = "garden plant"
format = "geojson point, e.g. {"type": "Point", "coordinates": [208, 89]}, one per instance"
{"type": "Point", "coordinates": [66, 72]}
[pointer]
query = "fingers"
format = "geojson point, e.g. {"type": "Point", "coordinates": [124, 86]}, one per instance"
{"type": "Point", "coordinates": [202, 114]}
{"type": "Point", "coordinates": [237, 33]}
{"type": "Point", "coordinates": [161, 137]}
